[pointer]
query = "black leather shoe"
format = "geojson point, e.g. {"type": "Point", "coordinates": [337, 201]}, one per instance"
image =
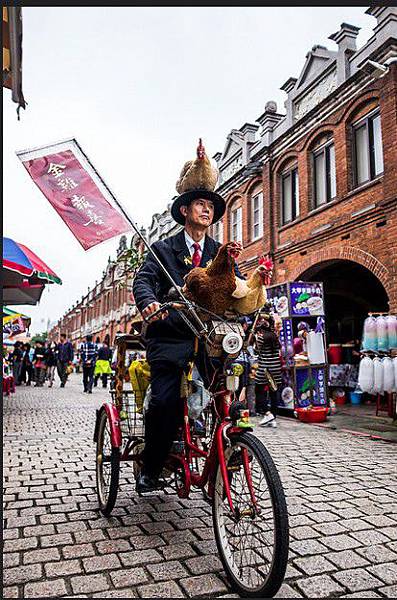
{"type": "Point", "coordinates": [145, 483]}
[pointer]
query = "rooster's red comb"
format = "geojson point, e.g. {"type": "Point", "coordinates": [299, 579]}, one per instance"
{"type": "Point", "coordinates": [266, 261]}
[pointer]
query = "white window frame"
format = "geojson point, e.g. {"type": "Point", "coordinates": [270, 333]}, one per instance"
{"type": "Point", "coordinates": [367, 122]}
{"type": "Point", "coordinates": [257, 216]}
{"type": "Point", "coordinates": [236, 224]}
{"type": "Point", "coordinates": [330, 176]}
{"type": "Point", "coordinates": [217, 231]}
{"type": "Point", "coordinates": [293, 174]}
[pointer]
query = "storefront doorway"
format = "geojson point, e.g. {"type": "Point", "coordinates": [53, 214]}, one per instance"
{"type": "Point", "coordinates": [350, 292]}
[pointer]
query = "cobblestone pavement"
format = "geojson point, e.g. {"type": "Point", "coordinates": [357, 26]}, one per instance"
{"type": "Point", "coordinates": [341, 493]}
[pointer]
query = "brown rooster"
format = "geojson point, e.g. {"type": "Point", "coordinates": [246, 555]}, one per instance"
{"type": "Point", "coordinates": [212, 287]}
{"type": "Point", "coordinates": [255, 296]}
{"type": "Point", "coordinates": [198, 173]}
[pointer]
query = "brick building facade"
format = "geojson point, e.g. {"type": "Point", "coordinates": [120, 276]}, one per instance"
{"type": "Point", "coordinates": [318, 190]}
{"type": "Point", "coordinates": [315, 187]}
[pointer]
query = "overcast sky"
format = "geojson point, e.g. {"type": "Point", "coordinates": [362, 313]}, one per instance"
{"type": "Point", "coordinates": [137, 87]}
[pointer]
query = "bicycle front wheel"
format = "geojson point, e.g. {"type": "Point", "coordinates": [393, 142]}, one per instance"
{"type": "Point", "coordinates": [252, 542]}
{"type": "Point", "coordinates": [107, 467]}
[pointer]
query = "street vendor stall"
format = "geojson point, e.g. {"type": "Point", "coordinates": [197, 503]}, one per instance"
{"type": "Point", "coordinates": [300, 305]}
{"type": "Point", "coordinates": [378, 366]}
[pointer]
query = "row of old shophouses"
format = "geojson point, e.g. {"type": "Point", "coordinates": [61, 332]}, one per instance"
{"type": "Point", "coordinates": [315, 186]}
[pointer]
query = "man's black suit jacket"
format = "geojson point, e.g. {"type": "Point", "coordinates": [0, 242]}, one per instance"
{"type": "Point", "coordinates": [169, 339]}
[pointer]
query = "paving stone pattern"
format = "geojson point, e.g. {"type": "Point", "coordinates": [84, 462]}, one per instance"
{"type": "Point", "coordinates": [341, 494]}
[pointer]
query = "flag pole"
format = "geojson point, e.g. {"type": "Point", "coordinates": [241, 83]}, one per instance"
{"type": "Point", "coordinates": [146, 243]}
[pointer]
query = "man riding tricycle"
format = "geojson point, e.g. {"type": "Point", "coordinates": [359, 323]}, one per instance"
{"type": "Point", "coordinates": [192, 431]}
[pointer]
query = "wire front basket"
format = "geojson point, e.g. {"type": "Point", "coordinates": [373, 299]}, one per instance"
{"type": "Point", "coordinates": [131, 420]}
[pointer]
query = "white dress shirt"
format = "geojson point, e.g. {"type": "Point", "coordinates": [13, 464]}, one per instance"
{"type": "Point", "coordinates": [189, 243]}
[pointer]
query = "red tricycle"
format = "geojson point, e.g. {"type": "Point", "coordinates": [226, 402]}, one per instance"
{"type": "Point", "coordinates": [228, 463]}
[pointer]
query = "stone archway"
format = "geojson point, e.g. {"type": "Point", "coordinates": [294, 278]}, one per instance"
{"type": "Point", "coordinates": [347, 253]}
{"type": "Point", "coordinates": [351, 291]}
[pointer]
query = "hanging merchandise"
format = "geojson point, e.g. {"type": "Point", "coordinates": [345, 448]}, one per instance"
{"type": "Point", "coordinates": [391, 321]}
{"type": "Point", "coordinates": [395, 373]}
{"type": "Point", "coordinates": [366, 375]}
{"type": "Point", "coordinates": [382, 335]}
{"type": "Point", "coordinates": [370, 335]}
{"type": "Point", "coordinates": [388, 374]}
{"type": "Point", "coordinates": [378, 376]}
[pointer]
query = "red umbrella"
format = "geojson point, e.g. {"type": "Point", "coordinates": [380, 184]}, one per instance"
{"type": "Point", "coordinates": [41, 270]}
{"type": "Point", "coordinates": [24, 274]}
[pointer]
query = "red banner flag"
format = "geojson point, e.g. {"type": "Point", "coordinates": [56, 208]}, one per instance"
{"type": "Point", "coordinates": [77, 192]}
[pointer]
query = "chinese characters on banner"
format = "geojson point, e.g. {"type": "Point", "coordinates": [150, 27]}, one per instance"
{"type": "Point", "coordinates": [75, 190]}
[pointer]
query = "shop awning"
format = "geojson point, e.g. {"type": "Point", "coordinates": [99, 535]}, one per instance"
{"type": "Point", "coordinates": [24, 293]}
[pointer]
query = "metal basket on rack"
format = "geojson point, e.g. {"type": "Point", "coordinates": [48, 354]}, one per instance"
{"type": "Point", "coordinates": [131, 420]}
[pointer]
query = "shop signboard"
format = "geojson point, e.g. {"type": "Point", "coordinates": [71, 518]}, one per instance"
{"type": "Point", "coordinates": [287, 342]}
{"type": "Point", "coordinates": [319, 393]}
{"type": "Point", "coordinates": [278, 296]}
{"type": "Point", "coordinates": [307, 299]}
{"type": "Point", "coordinates": [310, 387]}
{"type": "Point", "coordinates": [287, 394]}
{"type": "Point", "coordinates": [304, 385]}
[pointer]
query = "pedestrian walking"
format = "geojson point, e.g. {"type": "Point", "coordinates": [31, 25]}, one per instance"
{"type": "Point", "coordinates": [51, 362]}
{"type": "Point", "coordinates": [268, 374]}
{"type": "Point", "coordinates": [102, 365]}
{"type": "Point", "coordinates": [64, 358]}
{"type": "Point", "coordinates": [16, 358]}
{"type": "Point", "coordinates": [26, 374]}
{"type": "Point", "coordinates": [88, 353]}
{"type": "Point", "coordinates": [39, 364]}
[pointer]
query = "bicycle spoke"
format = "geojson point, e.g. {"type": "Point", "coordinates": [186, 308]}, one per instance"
{"type": "Point", "coordinates": [248, 539]}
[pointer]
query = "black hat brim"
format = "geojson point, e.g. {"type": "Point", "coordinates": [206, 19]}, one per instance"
{"type": "Point", "coordinates": [187, 197]}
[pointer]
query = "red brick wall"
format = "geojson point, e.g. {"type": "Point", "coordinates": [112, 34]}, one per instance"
{"type": "Point", "coordinates": [358, 238]}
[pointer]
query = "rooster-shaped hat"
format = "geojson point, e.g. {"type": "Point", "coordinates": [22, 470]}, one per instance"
{"type": "Point", "coordinates": [198, 180]}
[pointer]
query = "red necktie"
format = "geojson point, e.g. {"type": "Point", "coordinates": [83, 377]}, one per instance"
{"type": "Point", "coordinates": [196, 258]}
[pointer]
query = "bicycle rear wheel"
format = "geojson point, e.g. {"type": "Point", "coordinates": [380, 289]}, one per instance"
{"type": "Point", "coordinates": [253, 545]}
{"type": "Point", "coordinates": [107, 467]}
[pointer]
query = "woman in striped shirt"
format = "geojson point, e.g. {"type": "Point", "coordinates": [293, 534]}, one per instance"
{"type": "Point", "coordinates": [268, 372]}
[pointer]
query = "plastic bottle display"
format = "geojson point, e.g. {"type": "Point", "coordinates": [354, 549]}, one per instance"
{"type": "Point", "coordinates": [382, 334]}
{"type": "Point", "coordinates": [370, 334]}
{"type": "Point", "coordinates": [366, 374]}
{"type": "Point", "coordinates": [388, 375]}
